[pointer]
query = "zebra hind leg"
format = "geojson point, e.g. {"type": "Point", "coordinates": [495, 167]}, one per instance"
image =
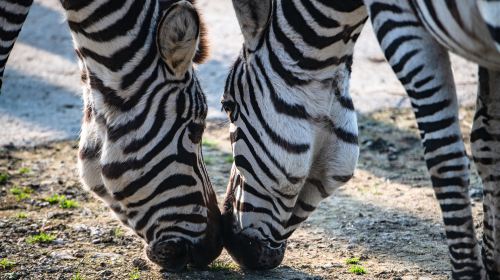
{"type": "Point", "coordinates": [423, 67]}
{"type": "Point", "coordinates": [485, 141]}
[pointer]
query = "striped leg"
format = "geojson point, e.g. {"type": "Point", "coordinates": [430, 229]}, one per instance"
{"type": "Point", "coordinates": [13, 13]}
{"type": "Point", "coordinates": [423, 67]}
{"type": "Point", "coordinates": [485, 140]}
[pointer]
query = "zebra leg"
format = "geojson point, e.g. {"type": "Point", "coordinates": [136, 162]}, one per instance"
{"type": "Point", "coordinates": [89, 167]}
{"type": "Point", "coordinates": [422, 65]}
{"type": "Point", "coordinates": [13, 13]}
{"type": "Point", "coordinates": [485, 139]}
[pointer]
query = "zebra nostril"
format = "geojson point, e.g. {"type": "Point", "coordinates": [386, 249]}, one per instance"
{"type": "Point", "coordinates": [172, 255]}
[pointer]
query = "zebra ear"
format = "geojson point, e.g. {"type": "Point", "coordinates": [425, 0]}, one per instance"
{"type": "Point", "coordinates": [253, 16]}
{"type": "Point", "coordinates": [178, 37]}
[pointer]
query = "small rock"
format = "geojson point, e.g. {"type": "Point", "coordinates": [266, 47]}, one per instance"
{"type": "Point", "coordinates": [106, 273]}
{"type": "Point", "coordinates": [58, 241]}
{"type": "Point", "coordinates": [95, 231]}
{"type": "Point", "coordinates": [61, 255]}
{"type": "Point", "coordinates": [81, 228]}
{"type": "Point", "coordinates": [58, 215]}
{"type": "Point", "coordinates": [79, 254]}
{"type": "Point", "coordinates": [106, 255]}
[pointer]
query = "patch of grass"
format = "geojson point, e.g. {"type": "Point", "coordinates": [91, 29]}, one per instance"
{"type": "Point", "coordinates": [118, 232]}
{"type": "Point", "coordinates": [68, 204]}
{"type": "Point", "coordinates": [77, 276]}
{"type": "Point", "coordinates": [24, 170]}
{"type": "Point", "coordinates": [228, 159]}
{"type": "Point", "coordinates": [6, 264]}
{"type": "Point", "coordinates": [21, 215]}
{"type": "Point", "coordinates": [4, 177]}
{"type": "Point", "coordinates": [40, 238]}
{"type": "Point", "coordinates": [209, 160]}
{"type": "Point", "coordinates": [134, 274]}
{"type": "Point", "coordinates": [212, 144]}
{"type": "Point", "coordinates": [21, 193]}
{"type": "Point", "coordinates": [63, 202]}
{"type": "Point", "coordinates": [222, 266]}
{"type": "Point", "coordinates": [54, 199]}
{"type": "Point", "coordinates": [357, 269]}
{"type": "Point", "coordinates": [354, 260]}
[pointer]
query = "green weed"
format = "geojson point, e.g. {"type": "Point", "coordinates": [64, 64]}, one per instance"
{"type": "Point", "coordinates": [54, 199]}
{"type": "Point", "coordinates": [24, 170]}
{"type": "Point", "coordinates": [21, 194]}
{"type": "Point", "coordinates": [6, 264]}
{"type": "Point", "coordinates": [354, 260]}
{"type": "Point", "coordinates": [222, 266]}
{"type": "Point", "coordinates": [63, 202]}
{"type": "Point", "coordinates": [40, 238]}
{"type": "Point", "coordinates": [134, 274]}
{"type": "Point", "coordinates": [21, 215]}
{"type": "Point", "coordinates": [77, 276]}
{"type": "Point", "coordinates": [357, 269]}
{"type": "Point", "coordinates": [68, 204]}
{"type": "Point", "coordinates": [118, 232]}
{"type": "Point", "coordinates": [4, 177]}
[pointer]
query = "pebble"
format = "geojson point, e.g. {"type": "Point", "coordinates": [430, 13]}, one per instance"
{"type": "Point", "coordinates": [62, 255]}
{"type": "Point", "coordinates": [79, 254]}
{"type": "Point", "coordinates": [106, 273]}
{"type": "Point", "coordinates": [81, 228]}
{"type": "Point", "coordinates": [106, 255]}
{"type": "Point", "coordinates": [58, 241]}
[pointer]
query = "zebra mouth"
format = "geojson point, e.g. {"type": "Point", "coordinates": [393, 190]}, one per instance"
{"type": "Point", "coordinates": [174, 254]}
{"type": "Point", "coordinates": [249, 251]}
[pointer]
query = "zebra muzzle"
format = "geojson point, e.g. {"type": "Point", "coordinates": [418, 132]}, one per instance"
{"type": "Point", "coordinates": [171, 255]}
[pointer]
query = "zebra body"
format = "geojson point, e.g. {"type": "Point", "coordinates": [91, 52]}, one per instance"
{"type": "Point", "coordinates": [294, 128]}
{"type": "Point", "coordinates": [144, 115]}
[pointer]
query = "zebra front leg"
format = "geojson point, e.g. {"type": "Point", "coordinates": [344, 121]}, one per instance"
{"type": "Point", "coordinates": [422, 65]}
{"type": "Point", "coordinates": [88, 162]}
{"type": "Point", "coordinates": [485, 141]}
{"type": "Point", "coordinates": [13, 13]}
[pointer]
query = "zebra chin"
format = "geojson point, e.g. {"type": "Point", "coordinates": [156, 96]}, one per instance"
{"type": "Point", "coordinates": [175, 253]}
{"type": "Point", "coordinates": [250, 252]}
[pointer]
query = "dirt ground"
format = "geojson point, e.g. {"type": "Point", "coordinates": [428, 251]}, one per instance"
{"type": "Point", "coordinates": [387, 216]}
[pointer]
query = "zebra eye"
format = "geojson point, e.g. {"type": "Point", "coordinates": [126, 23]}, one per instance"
{"type": "Point", "coordinates": [228, 106]}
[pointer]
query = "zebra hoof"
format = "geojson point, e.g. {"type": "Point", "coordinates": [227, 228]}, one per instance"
{"type": "Point", "coordinates": [171, 255]}
{"type": "Point", "coordinates": [251, 253]}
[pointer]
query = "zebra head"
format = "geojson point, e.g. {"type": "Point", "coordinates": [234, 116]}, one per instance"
{"type": "Point", "coordinates": [140, 148]}
{"type": "Point", "coordinates": [293, 129]}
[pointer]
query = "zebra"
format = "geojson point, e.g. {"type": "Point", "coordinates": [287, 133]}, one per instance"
{"type": "Point", "coordinates": [143, 119]}
{"type": "Point", "coordinates": [293, 124]}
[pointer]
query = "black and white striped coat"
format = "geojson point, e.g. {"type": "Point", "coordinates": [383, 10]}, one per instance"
{"type": "Point", "coordinates": [293, 125]}
{"type": "Point", "coordinates": [144, 115]}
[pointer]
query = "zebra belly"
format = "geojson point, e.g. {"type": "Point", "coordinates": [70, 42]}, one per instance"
{"type": "Point", "coordinates": [459, 26]}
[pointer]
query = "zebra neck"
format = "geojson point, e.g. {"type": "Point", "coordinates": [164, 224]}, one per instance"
{"type": "Point", "coordinates": [313, 37]}
{"type": "Point", "coordinates": [115, 42]}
